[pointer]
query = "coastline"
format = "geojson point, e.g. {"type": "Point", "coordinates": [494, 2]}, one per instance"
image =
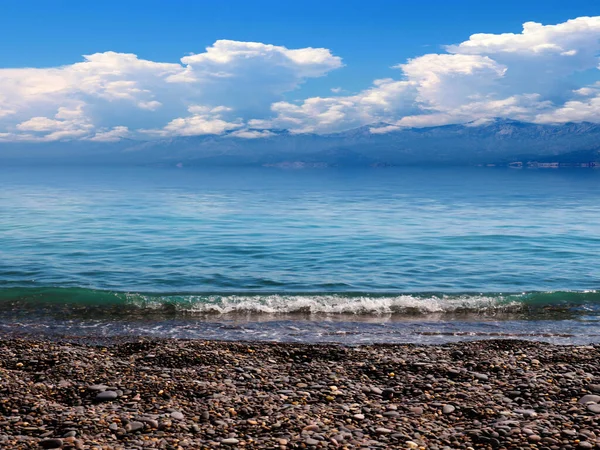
{"type": "Point", "coordinates": [178, 394]}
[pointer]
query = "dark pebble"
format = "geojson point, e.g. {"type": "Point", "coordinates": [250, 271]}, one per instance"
{"type": "Point", "coordinates": [51, 443]}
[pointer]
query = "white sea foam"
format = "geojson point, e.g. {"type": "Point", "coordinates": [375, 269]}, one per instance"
{"type": "Point", "coordinates": [330, 304]}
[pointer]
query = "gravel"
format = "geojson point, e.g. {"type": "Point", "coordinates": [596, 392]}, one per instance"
{"type": "Point", "coordinates": [179, 395]}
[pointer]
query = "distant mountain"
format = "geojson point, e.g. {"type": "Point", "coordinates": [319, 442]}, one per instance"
{"type": "Point", "coordinates": [497, 141]}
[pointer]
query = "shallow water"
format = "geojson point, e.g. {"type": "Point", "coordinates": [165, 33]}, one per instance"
{"type": "Point", "coordinates": [373, 255]}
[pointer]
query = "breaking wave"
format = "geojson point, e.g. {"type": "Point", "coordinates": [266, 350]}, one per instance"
{"type": "Point", "coordinates": [74, 301]}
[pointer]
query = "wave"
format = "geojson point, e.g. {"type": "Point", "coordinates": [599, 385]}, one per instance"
{"type": "Point", "coordinates": [74, 301]}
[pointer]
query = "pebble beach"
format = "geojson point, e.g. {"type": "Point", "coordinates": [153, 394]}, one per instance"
{"type": "Point", "coordinates": [179, 394]}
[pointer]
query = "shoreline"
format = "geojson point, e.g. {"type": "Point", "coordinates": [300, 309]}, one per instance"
{"type": "Point", "coordinates": [194, 394]}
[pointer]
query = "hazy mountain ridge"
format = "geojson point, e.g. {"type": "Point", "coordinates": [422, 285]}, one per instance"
{"type": "Point", "coordinates": [498, 141]}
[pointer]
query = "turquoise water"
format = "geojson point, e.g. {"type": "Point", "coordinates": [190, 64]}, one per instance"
{"type": "Point", "coordinates": [396, 254]}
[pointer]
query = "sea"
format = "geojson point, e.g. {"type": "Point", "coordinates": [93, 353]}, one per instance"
{"type": "Point", "coordinates": [354, 256]}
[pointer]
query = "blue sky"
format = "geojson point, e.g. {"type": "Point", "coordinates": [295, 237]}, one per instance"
{"type": "Point", "coordinates": [364, 41]}
{"type": "Point", "coordinates": [370, 36]}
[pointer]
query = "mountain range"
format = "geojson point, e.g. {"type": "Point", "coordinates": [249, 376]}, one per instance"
{"type": "Point", "coordinates": [499, 141]}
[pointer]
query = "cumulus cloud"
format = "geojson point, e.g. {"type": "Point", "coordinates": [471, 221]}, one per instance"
{"type": "Point", "coordinates": [113, 135]}
{"type": "Point", "coordinates": [238, 88]}
{"type": "Point", "coordinates": [252, 134]}
{"type": "Point", "coordinates": [576, 37]}
{"type": "Point", "coordinates": [203, 120]}
{"type": "Point", "coordinates": [387, 98]}
{"type": "Point", "coordinates": [67, 123]}
{"type": "Point", "coordinates": [121, 90]}
{"type": "Point", "coordinates": [526, 76]}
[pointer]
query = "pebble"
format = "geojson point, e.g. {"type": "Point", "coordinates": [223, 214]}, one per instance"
{"type": "Point", "coordinates": [203, 394]}
{"type": "Point", "coordinates": [594, 407]}
{"type": "Point", "coordinates": [589, 398]}
{"type": "Point", "coordinates": [177, 415]}
{"type": "Point", "coordinates": [387, 394]}
{"type": "Point", "coordinates": [51, 443]}
{"type": "Point", "coordinates": [526, 412]}
{"type": "Point", "coordinates": [134, 426]}
{"type": "Point", "coordinates": [106, 396]}
{"type": "Point", "coordinates": [448, 409]}
{"type": "Point", "coordinates": [98, 387]}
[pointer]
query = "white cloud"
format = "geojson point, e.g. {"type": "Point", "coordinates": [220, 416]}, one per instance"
{"type": "Point", "coordinates": [576, 37]}
{"type": "Point", "coordinates": [225, 56]}
{"type": "Point", "coordinates": [252, 134]}
{"type": "Point", "coordinates": [525, 76]}
{"type": "Point", "coordinates": [113, 135]}
{"type": "Point", "coordinates": [6, 112]}
{"type": "Point", "coordinates": [197, 125]}
{"type": "Point", "coordinates": [387, 98]}
{"type": "Point", "coordinates": [384, 129]}
{"type": "Point", "coordinates": [203, 120]}
{"type": "Point", "coordinates": [585, 107]}
{"type": "Point", "coordinates": [238, 88]}
{"type": "Point", "coordinates": [67, 123]}
{"type": "Point", "coordinates": [122, 90]}
{"type": "Point", "coordinates": [573, 111]}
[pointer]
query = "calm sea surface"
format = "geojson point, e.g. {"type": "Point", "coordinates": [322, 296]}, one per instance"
{"type": "Point", "coordinates": [372, 255]}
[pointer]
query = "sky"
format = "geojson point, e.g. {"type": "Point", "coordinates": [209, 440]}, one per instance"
{"type": "Point", "coordinates": [104, 71]}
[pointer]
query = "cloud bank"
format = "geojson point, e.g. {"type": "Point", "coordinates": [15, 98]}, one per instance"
{"type": "Point", "coordinates": [239, 88]}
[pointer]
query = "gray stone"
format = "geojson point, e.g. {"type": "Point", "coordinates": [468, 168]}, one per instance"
{"type": "Point", "coordinates": [177, 415]}
{"type": "Point", "coordinates": [589, 398]}
{"type": "Point", "coordinates": [526, 412]}
{"type": "Point", "coordinates": [230, 441]}
{"type": "Point", "coordinates": [134, 426]}
{"type": "Point", "coordinates": [594, 407]}
{"type": "Point", "coordinates": [106, 396]}
{"type": "Point", "coordinates": [448, 409]}
{"type": "Point", "coordinates": [97, 387]}
{"type": "Point", "coordinates": [311, 441]}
